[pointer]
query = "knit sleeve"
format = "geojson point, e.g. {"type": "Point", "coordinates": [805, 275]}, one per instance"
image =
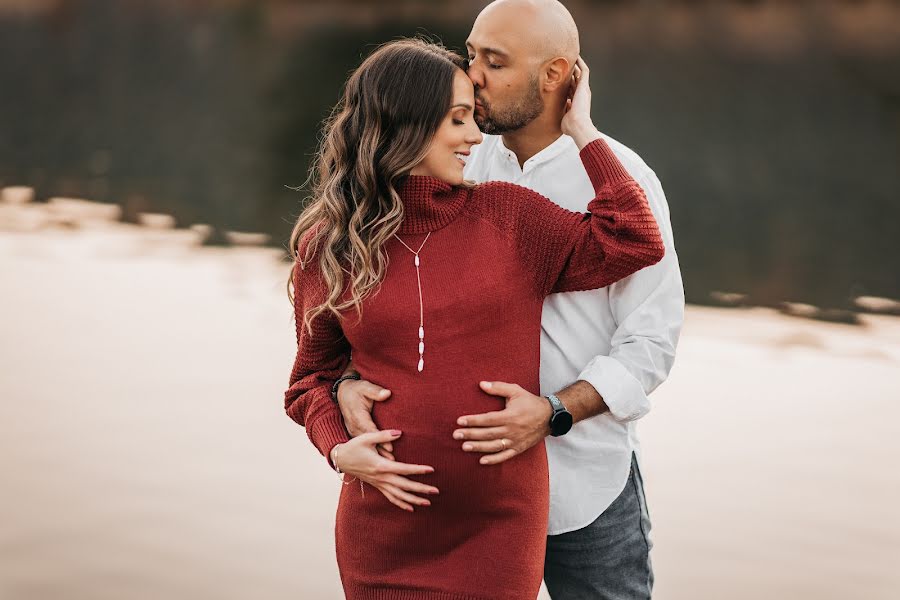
{"type": "Point", "coordinates": [321, 358]}
{"type": "Point", "coordinates": [570, 251]}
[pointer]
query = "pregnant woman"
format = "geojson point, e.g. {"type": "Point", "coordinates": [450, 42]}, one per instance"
{"type": "Point", "coordinates": [434, 284]}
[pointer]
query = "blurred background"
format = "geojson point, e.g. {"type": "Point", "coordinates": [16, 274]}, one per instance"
{"type": "Point", "coordinates": [145, 152]}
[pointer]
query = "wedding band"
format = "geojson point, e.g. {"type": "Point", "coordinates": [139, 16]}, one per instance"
{"type": "Point", "coordinates": [503, 443]}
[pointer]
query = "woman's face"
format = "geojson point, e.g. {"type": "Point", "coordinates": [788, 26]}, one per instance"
{"type": "Point", "coordinates": [455, 137]}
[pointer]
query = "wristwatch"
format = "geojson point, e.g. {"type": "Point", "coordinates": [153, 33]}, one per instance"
{"type": "Point", "coordinates": [561, 419]}
{"type": "Point", "coordinates": [334, 388]}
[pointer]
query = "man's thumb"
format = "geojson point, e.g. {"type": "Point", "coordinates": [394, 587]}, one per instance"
{"type": "Point", "coordinates": [381, 394]}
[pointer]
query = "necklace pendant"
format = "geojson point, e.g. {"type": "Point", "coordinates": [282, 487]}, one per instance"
{"type": "Point", "coordinates": [421, 364]}
{"type": "Point", "coordinates": [421, 348]}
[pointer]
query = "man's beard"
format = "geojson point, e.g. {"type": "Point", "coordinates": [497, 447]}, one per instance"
{"type": "Point", "coordinates": [514, 117]}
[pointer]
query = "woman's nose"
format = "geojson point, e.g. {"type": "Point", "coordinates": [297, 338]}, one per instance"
{"type": "Point", "coordinates": [475, 136]}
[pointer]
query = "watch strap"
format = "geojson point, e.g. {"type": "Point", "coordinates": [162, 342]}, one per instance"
{"type": "Point", "coordinates": [561, 419]}
{"type": "Point", "coordinates": [555, 402]}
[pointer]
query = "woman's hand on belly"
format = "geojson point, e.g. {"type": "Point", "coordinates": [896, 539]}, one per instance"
{"type": "Point", "coordinates": [360, 458]}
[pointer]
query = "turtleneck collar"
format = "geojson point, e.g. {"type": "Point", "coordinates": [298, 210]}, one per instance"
{"type": "Point", "coordinates": [429, 203]}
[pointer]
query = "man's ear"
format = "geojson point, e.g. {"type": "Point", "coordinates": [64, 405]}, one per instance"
{"type": "Point", "coordinates": [556, 74]}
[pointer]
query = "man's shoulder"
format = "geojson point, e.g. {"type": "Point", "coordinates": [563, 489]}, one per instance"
{"type": "Point", "coordinates": [630, 159]}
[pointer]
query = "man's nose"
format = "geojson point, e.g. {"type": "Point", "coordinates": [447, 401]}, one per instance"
{"type": "Point", "coordinates": [476, 75]}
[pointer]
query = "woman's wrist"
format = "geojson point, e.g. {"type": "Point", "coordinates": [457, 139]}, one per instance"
{"type": "Point", "coordinates": [334, 457]}
{"type": "Point", "coordinates": [584, 134]}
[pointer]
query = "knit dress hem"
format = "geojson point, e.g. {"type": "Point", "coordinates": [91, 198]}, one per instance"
{"type": "Point", "coordinates": [370, 593]}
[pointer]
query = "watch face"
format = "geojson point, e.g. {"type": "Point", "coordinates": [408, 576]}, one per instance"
{"type": "Point", "coordinates": [561, 423]}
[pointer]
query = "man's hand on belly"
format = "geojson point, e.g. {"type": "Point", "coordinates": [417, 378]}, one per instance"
{"type": "Point", "coordinates": [505, 433]}
{"type": "Point", "coordinates": [356, 399]}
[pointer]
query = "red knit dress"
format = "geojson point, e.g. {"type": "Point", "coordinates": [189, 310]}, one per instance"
{"type": "Point", "coordinates": [495, 251]}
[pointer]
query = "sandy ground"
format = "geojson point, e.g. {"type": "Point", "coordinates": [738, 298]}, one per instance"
{"type": "Point", "coordinates": [146, 455]}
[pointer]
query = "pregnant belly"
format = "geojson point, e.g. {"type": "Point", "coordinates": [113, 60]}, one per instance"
{"type": "Point", "coordinates": [518, 485]}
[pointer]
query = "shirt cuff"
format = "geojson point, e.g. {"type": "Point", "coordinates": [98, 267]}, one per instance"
{"type": "Point", "coordinates": [622, 392]}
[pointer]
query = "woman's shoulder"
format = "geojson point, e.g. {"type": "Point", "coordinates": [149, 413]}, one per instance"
{"type": "Point", "coordinates": [509, 206]}
{"type": "Point", "coordinates": [502, 191]}
{"type": "Point", "coordinates": [309, 250]}
{"type": "Point", "coordinates": [310, 236]}
{"type": "Point", "coordinates": [503, 197]}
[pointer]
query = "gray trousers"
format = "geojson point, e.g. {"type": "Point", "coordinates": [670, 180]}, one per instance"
{"type": "Point", "coordinates": [610, 558]}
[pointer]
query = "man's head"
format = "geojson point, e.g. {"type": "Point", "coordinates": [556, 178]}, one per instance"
{"type": "Point", "coordinates": [521, 55]}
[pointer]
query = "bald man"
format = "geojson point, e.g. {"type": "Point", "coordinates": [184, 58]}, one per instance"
{"type": "Point", "coordinates": [602, 351]}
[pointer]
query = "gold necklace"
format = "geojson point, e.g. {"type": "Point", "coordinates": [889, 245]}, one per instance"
{"type": "Point", "coordinates": [421, 364]}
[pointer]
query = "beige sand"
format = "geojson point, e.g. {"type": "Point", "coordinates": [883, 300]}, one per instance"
{"type": "Point", "coordinates": [146, 455]}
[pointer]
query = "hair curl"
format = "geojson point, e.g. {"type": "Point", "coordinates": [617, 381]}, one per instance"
{"type": "Point", "coordinates": [391, 108]}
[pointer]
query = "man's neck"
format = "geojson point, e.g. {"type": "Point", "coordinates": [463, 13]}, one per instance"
{"type": "Point", "coordinates": [534, 137]}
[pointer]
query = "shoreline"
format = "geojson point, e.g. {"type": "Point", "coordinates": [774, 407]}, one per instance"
{"type": "Point", "coordinates": [147, 455]}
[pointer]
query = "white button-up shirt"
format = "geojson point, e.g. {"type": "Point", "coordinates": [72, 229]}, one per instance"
{"type": "Point", "coordinates": [621, 339]}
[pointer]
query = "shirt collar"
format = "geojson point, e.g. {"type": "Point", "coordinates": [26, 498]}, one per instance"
{"type": "Point", "coordinates": [546, 154]}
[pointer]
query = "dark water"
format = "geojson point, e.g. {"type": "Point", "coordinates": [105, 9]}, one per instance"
{"type": "Point", "coordinates": [782, 169]}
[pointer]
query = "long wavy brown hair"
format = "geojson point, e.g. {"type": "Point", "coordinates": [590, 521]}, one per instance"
{"type": "Point", "coordinates": [382, 127]}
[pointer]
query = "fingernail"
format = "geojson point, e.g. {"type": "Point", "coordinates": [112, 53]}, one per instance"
{"type": "Point", "coordinates": [426, 503]}
{"type": "Point", "coordinates": [458, 435]}
{"type": "Point", "coordinates": [467, 446]}
{"type": "Point", "coordinates": [434, 491]}
{"type": "Point", "coordinates": [395, 432]}
{"type": "Point", "coordinates": [462, 422]}
{"type": "Point", "coordinates": [486, 384]}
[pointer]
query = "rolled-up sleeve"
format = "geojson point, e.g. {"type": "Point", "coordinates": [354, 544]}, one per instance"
{"type": "Point", "coordinates": [648, 308]}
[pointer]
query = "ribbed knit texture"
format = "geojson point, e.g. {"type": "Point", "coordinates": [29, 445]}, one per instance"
{"type": "Point", "coordinates": [495, 251]}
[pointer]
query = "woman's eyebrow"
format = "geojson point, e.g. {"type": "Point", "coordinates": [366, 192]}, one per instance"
{"type": "Point", "coordinates": [462, 105]}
